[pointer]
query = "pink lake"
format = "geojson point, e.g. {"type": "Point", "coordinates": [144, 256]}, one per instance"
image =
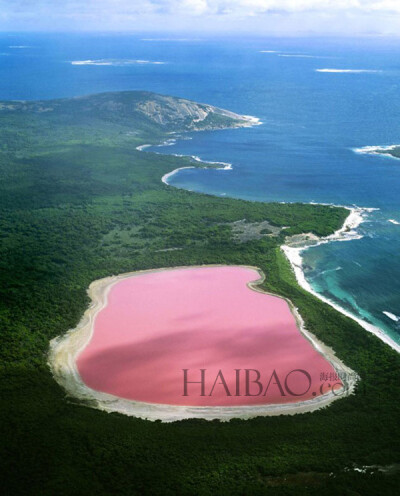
{"type": "Point", "coordinates": [156, 324]}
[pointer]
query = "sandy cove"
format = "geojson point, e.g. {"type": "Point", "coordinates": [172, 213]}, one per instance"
{"type": "Point", "coordinates": [65, 349]}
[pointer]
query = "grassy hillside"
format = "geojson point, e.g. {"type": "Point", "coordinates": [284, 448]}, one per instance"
{"type": "Point", "coordinates": [79, 202]}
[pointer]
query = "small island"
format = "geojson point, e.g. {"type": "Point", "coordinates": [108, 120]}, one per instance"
{"type": "Point", "coordinates": [388, 150]}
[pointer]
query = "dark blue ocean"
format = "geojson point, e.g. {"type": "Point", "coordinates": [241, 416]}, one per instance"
{"type": "Point", "coordinates": [303, 151]}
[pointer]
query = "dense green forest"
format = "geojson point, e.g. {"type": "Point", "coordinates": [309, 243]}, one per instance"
{"type": "Point", "coordinates": [78, 202]}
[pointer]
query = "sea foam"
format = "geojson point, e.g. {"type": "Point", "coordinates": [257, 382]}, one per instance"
{"type": "Point", "coordinates": [253, 121]}
{"type": "Point", "coordinates": [376, 150]}
{"type": "Point", "coordinates": [391, 316]}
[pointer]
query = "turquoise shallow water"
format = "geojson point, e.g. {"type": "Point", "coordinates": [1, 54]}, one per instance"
{"type": "Point", "coordinates": [302, 152]}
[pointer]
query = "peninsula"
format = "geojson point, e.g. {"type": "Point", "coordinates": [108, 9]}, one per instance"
{"type": "Point", "coordinates": [79, 203]}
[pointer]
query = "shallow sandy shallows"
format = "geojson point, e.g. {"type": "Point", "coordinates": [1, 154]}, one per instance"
{"type": "Point", "coordinates": [130, 349]}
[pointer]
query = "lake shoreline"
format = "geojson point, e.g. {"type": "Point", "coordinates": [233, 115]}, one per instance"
{"type": "Point", "coordinates": [65, 349]}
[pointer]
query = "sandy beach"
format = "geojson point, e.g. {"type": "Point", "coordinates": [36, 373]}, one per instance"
{"type": "Point", "coordinates": [347, 232]}
{"type": "Point", "coordinates": [167, 176]}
